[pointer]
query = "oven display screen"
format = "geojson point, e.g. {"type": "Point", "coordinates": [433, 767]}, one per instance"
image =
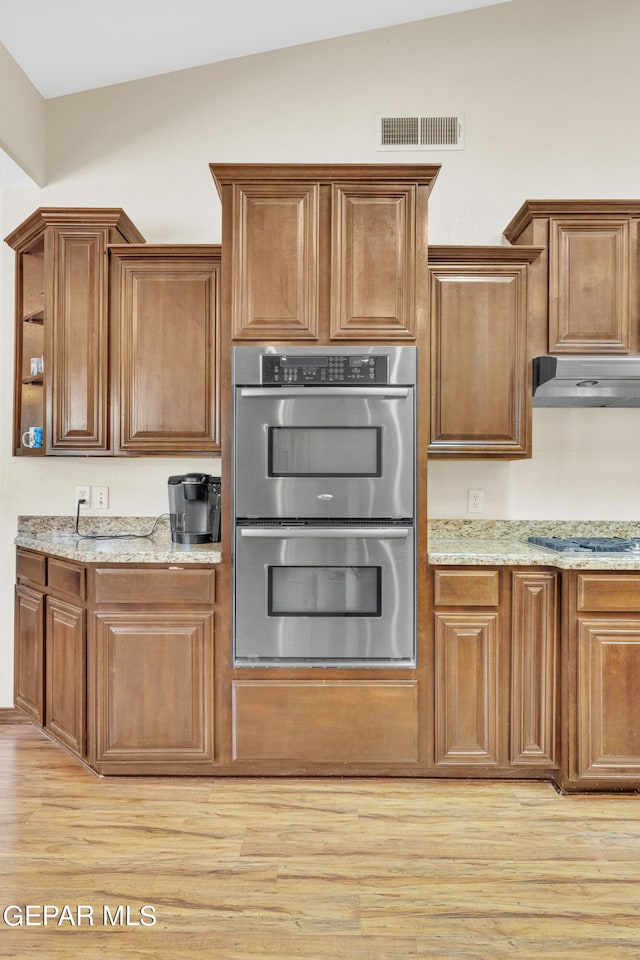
{"type": "Point", "coordinates": [325, 452]}
{"type": "Point", "coordinates": [304, 362]}
{"type": "Point", "coordinates": [298, 591]}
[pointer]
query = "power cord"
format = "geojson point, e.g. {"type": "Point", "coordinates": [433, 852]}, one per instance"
{"type": "Point", "coordinates": [114, 536]}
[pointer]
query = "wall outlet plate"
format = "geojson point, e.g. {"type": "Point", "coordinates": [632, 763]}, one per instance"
{"type": "Point", "coordinates": [83, 492]}
{"type": "Point", "coordinates": [475, 501]}
{"type": "Point", "coordinates": [100, 498]}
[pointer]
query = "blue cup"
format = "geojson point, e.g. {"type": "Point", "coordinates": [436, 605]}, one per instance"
{"type": "Point", "coordinates": [32, 437]}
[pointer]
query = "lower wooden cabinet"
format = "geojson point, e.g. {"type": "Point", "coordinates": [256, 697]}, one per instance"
{"type": "Point", "coordinates": [495, 670]}
{"type": "Point", "coordinates": [65, 672]}
{"type": "Point", "coordinates": [28, 662]}
{"type": "Point", "coordinates": [603, 680]}
{"type": "Point", "coordinates": [50, 647]}
{"type": "Point", "coordinates": [153, 691]}
{"type": "Point", "coordinates": [117, 662]}
{"type": "Point", "coordinates": [608, 699]}
{"type": "Point", "coordinates": [535, 669]}
{"type": "Point", "coordinates": [467, 688]}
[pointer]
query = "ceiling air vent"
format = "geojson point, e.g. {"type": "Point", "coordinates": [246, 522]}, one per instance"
{"type": "Point", "coordinates": [420, 132]}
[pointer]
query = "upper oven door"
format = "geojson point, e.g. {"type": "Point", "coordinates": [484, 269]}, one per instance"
{"type": "Point", "coordinates": [324, 452]}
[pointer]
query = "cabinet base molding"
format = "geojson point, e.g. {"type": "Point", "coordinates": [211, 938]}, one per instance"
{"type": "Point", "coordinates": [11, 715]}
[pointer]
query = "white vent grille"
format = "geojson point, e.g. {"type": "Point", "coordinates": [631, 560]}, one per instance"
{"type": "Point", "coordinates": [428, 132]}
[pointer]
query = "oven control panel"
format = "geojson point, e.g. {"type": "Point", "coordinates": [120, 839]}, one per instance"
{"type": "Point", "coordinates": [331, 369]}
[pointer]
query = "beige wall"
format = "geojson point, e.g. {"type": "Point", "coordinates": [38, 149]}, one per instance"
{"type": "Point", "coordinates": [549, 90]}
{"type": "Point", "coordinates": [22, 119]}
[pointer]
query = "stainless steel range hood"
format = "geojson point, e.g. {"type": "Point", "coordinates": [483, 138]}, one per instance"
{"type": "Point", "coordinates": [586, 381]}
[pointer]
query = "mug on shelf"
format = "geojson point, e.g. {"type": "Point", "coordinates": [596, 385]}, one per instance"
{"type": "Point", "coordinates": [36, 366]}
{"type": "Point", "coordinates": [32, 437]}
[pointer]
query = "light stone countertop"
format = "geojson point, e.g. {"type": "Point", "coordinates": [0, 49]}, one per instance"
{"type": "Point", "coordinates": [503, 543]}
{"type": "Point", "coordinates": [55, 536]}
{"type": "Point", "coordinates": [472, 551]}
{"type": "Point", "coordinates": [450, 542]}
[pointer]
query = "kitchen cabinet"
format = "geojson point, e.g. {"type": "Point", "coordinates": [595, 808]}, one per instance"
{"type": "Point", "coordinates": [586, 296]}
{"type": "Point", "coordinates": [535, 668]}
{"type": "Point", "coordinates": [467, 685]}
{"type": "Point", "coordinates": [152, 671]}
{"type": "Point", "coordinates": [50, 643]}
{"type": "Point", "coordinates": [602, 611]}
{"type": "Point", "coordinates": [327, 253]}
{"type": "Point", "coordinates": [480, 374]}
{"type": "Point", "coordinates": [468, 668]}
{"type": "Point", "coordinates": [116, 662]}
{"type": "Point", "coordinates": [65, 672]}
{"type": "Point", "coordinates": [164, 316]}
{"type": "Point", "coordinates": [62, 321]}
{"type": "Point", "coordinates": [495, 671]}
{"type": "Point", "coordinates": [28, 660]}
{"type": "Point", "coordinates": [300, 723]}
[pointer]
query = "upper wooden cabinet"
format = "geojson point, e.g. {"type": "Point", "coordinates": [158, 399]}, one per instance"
{"type": "Point", "coordinates": [586, 296]}
{"type": "Point", "coordinates": [331, 252]}
{"type": "Point", "coordinates": [62, 321]}
{"type": "Point", "coordinates": [480, 379]}
{"type": "Point", "coordinates": [164, 316]}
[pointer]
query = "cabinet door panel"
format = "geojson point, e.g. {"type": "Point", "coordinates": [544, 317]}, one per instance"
{"type": "Point", "coordinates": [274, 261]}
{"type": "Point", "coordinates": [168, 357]}
{"type": "Point", "coordinates": [154, 696]}
{"type": "Point", "coordinates": [28, 680]}
{"type": "Point", "coordinates": [325, 721]}
{"type": "Point", "coordinates": [479, 370]}
{"type": "Point", "coordinates": [66, 673]}
{"type": "Point", "coordinates": [466, 678]}
{"type": "Point", "coordinates": [608, 705]}
{"type": "Point", "coordinates": [373, 261]}
{"type": "Point", "coordinates": [534, 669]}
{"type": "Point", "coordinates": [78, 352]}
{"type": "Point", "coordinates": [589, 286]}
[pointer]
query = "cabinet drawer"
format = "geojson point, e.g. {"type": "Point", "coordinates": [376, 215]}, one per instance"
{"type": "Point", "coordinates": [65, 577]}
{"type": "Point", "coordinates": [467, 588]}
{"type": "Point", "coordinates": [173, 585]}
{"type": "Point", "coordinates": [31, 566]}
{"type": "Point", "coordinates": [604, 592]}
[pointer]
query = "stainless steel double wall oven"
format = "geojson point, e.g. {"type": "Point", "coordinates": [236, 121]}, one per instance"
{"type": "Point", "coordinates": [324, 501]}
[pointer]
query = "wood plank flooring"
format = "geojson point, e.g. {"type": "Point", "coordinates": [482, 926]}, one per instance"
{"type": "Point", "coordinates": [309, 869]}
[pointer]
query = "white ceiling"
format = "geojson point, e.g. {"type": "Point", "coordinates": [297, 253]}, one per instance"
{"type": "Point", "coordinates": [65, 46]}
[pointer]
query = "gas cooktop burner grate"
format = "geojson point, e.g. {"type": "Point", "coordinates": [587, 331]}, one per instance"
{"type": "Point", "coordinates": [587, 544]}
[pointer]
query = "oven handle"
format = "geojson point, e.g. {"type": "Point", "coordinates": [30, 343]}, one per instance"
{"type": "Point", "coordinates": [328, 391]}
{"type": "Point", "coordinates": [354, 533]}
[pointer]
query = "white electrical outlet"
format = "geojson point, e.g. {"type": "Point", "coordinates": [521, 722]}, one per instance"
{"type": "Point", "coordinates": [100, 498]}
{"type": "Point", "coordinates": [475, 501]}
{"type": "Point", "coordinates": [84, 493]}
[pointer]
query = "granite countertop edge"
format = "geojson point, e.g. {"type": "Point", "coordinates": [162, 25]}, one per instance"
{"type": "Point", "coordinates": [478, 552]}
{"type": "Point", "coordinates": [449, 542]}
{"type": "Point", "coordinates": [110, 540]}
{"type": "Point", "coordinates": [504, 543]}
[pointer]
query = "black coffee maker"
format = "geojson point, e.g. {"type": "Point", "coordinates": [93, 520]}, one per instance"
{"type": "Point", "coordinates": [194, 505]}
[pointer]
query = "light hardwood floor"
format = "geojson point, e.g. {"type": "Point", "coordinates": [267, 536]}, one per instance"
{"type": "Point", "coordinates": [311, 869]}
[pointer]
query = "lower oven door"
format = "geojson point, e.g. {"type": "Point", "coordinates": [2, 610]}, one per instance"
{"type": "Point", "coordinates": [324, 595]}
